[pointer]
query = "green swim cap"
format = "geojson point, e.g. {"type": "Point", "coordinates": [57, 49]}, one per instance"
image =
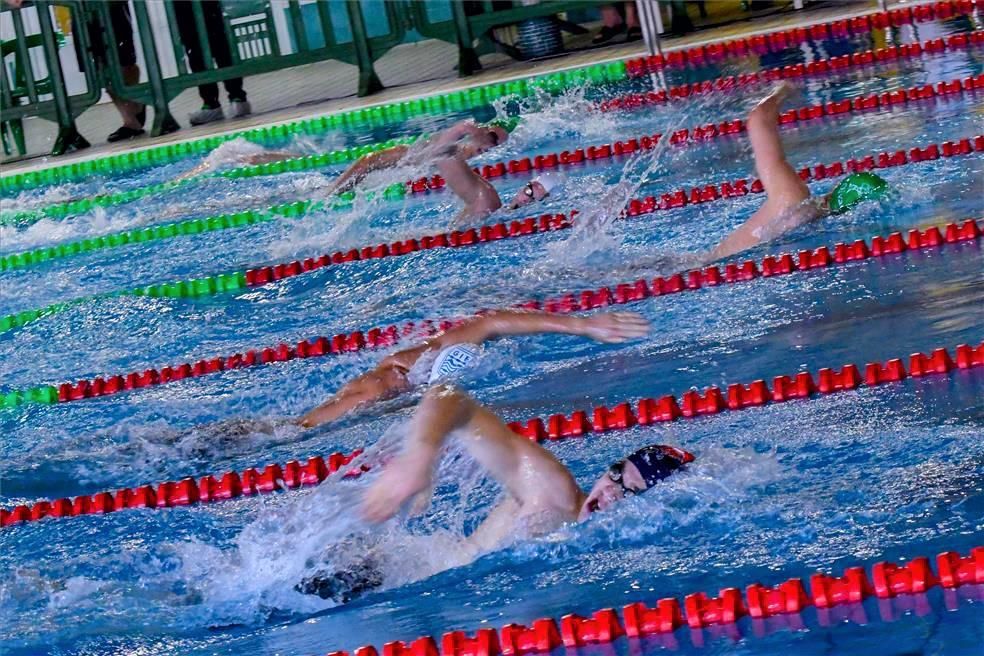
{"type": "Point", "coordinates": [855, 188]}
{"type": "Point", "coordinates": [508, 124]}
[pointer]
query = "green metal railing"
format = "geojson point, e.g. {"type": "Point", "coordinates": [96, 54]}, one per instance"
{"type": "Point", "coordinates": [317, 34]}
{"type": "Point", "coordinates": [42, 93]}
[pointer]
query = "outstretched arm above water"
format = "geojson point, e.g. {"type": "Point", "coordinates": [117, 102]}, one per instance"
{"type": "Point", "coordinates": [534, 479]}
{"type": "Point", "coordinates": [478, 141]}
{"type": "Point", "coordinates": [611, 327]}
{"type": "Point", "coordinates": [245, 160]}
{"type": "Point", "coordinates": [388, 379]}
{"type": "Point", "coordinates": [784, 189]}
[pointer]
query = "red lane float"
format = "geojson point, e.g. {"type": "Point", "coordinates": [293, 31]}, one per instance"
{"type": "Point", "coordinates": [692, 404]}
{"type": "Point", "coordinates": [703, 133]}
{"type": "Point", "coordinates": [618, 294]}
{"type": "Point", "coordinates": [636, 207]}
{"type": "Point", "coordinates": [786, 601]}
{"type": "Point", "coordinates": [761, 44]}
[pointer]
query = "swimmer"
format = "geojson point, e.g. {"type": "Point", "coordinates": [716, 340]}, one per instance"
{"type": "Point", "coordinates": [478, 194]}
{"type": "Point", "coordinates": [541, 494]}
{"type": "Point", "coordinates": [464, 139]}
{"type": "Point", "coordinates": [788, 203]}
{"type": "Point", "coordinates": [418, 365]}
{"type": "Point", "coordinates": [480, 138]}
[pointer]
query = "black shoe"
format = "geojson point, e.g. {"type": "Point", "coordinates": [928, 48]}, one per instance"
{"type": "Point", "coordinates": [124, 132]}
{"type": "Point", "coordinates": [607, 34]}
{"type": "Point", "coordinates": [633, 34]}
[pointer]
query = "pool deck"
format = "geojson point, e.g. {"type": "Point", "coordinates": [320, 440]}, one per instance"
{"type": "Point", "coordinates": [286, 96]}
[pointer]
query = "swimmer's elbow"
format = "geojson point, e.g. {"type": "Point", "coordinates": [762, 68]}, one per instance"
{"type": "Point", "coordinates": [489, 199]}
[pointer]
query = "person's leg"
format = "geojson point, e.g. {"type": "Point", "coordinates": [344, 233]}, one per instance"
{"type": "Point", "coordinates": [612, 25]}
{"type": "Point", "coordinates": [634, 31]}
{"type": "Point", "coordinates": [680, 23]}
{"type": "Point", "coordinates": [131, 112]}
{"type": "Point", "coordinates": [222, 53]}
{"type": "Point", "coordinates": [185, 17]}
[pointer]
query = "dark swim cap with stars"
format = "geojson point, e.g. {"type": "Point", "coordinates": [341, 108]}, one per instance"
{"type": "Point", "coordinates": [657, 461]}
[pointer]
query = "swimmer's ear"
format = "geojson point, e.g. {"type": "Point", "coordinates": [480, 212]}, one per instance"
{"type": "Point", "coordinates": [421, 502]}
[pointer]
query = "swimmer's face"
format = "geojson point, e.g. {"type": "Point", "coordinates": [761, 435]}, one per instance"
{"type": "Point", "coordinates": [621, 480]}
{"type": "Point", "coordinates": [529, 192]}
{"type": "Point", "coordinates": [498, 136]}
{"type": "Point", "coordinates": [495, 136]}
{"type": "Point", "coordinates": [394, 380]}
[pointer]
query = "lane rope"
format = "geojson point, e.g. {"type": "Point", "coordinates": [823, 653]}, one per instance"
{"type": "Point", "coordinates": [601, 419]}
{"type": "Point", "coordinates": [478, 96]}
{"type": "Point", "coordinates": [839, 254]}
{"type": "Point", "coordinates": [786, 601]}
{"type": "Point", "coordinates": [524, 166]}
{"type": "Point", "coordinates": [825, 66]}
{"type": "Point", "coordinates": [782, 39]}
{"type": "Point", "coordinates": [237, 280]}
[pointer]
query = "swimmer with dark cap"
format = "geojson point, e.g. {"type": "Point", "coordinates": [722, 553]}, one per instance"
{"type": "Point", "coordinates": [788, 201]}
{"type": "Point", "coordinates": [540, 493]}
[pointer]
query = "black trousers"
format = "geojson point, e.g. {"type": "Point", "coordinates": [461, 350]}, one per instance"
{"type": "Point", "coordinates": [218, 44]}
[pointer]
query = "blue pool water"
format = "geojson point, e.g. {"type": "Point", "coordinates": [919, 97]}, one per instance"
{"type": "Point", "coordinates": [876, 474]}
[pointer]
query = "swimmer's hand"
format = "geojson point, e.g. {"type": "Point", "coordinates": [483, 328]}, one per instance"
{"type": "Point", "coordinates": [615, 327]}
{"type": "Point", "coordinates": [406, 477]}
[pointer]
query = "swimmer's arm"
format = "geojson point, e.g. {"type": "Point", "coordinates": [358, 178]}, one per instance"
{"type": "Point", "coordinates": [515, 462]}
{"type": "Point", "coordinates": [783, 187]}
{"type": "Point", "coordinates": [248, 160]}
{"type": "Point", "coordinates": [605, 327]}
{"type": "Point", "coordinates": [479, 196]}
{"type": "Point", "coordinates": [365, 165]}
{"type": "Point", "coordinates": [367, 388]}
{"type": "Point", "coordinates": [458, 131]}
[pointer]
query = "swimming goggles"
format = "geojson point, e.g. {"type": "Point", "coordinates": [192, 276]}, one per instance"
{"type": "Point", "coordinates": [528, 190]}
{"type": "Point", "coordinates": [615, 473]}
{"type": "Point", "coordinates": [495, 138]}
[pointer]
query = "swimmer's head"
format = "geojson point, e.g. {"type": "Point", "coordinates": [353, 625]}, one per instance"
{"type": "Point", "coordinates": [854, 189]}
{"type": "Point", "coordinates": [633, 475]}
{"type": "Point", "coordinates": [536, 189]}
{"type": "Point", "coordinates": [507, 124]}
{"type": "Point", "coordinates": [499, 130]}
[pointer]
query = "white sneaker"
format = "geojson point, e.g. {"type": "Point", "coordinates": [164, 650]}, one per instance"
{"type": "Point", "coordinates": [206, 115]}
{"type": "Point", "coordinates": [240, 108]}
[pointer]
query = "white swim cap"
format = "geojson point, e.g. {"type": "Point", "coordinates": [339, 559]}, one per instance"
{"type": "Point", "coordinates": [550, 180]}
{"type": "Point", "coordinates": [452, 360]}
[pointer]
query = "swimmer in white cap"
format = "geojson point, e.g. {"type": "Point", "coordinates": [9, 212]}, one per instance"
{"type": "Point", "coordinates": [480, 197]}
{"type": "Point", "coordinates": [440, 358]}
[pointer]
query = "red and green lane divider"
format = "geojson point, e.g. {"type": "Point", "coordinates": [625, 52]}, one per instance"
{"type": "Point", "coordinates": [703, 133]}
{"type": "Point", "coordinates": [235, 281]}
{"type": "Point", "coordinates": [633, 100]}
{"type": "Point", "coordinates": [80, 205]}
{"type": "Point", "coordinates": [618, 294]}
{"type": "Point", "coordinates": [455, 101]}
{"type": "Point", "coordinates": [481, 96]}
{"type": "Point", "coordinates": [599, 420]}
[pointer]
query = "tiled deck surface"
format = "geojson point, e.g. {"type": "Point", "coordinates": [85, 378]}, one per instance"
{"type": "Point", "coordinates": [409, 71]}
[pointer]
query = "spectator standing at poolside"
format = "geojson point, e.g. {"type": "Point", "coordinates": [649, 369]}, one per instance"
{"type": "Point", "coordinates": [617, 19]}
{"type": "Point", "coordinates": [218, 44]}
{"type": "Point", "coordinates": [134, 114]}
